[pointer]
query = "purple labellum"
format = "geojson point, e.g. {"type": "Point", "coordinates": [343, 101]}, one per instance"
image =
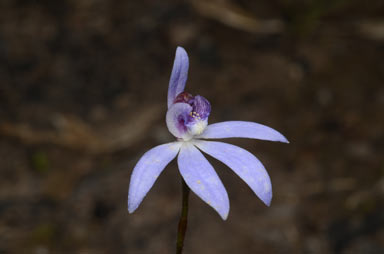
{"type": "Point", "coordinates": [201, 108]}
{"type": "Point", "coordinates": [188, 115]}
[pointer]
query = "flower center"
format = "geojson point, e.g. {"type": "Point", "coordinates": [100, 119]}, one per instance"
{"type": "Point", "coordinates": [188, 116]}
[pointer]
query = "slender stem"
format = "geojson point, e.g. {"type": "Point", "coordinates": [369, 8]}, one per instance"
{"type": "Point", "coordinates": [183, 218]}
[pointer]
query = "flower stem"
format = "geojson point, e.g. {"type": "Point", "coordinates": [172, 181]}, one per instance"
{"type": "Point", "coordinates": [183, 218]}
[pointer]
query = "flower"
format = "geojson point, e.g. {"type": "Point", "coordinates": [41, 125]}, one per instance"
{"type": "Point", "coordinates": [187, 120]}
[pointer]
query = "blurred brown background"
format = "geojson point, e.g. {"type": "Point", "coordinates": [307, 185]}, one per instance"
{"type": "Point", "coordinates": [83, 87]}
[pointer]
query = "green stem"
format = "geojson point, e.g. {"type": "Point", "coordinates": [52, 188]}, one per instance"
{"type": "Point", "coordinates": [183, 218]}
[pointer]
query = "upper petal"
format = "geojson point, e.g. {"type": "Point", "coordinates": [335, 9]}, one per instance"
{"type": "Point", "coordinates": [179, 75]}
{"type": "Point", "coordinates": [243, 163]}
{"type": "Point", "coordinates": [241, 129]}
{"type": "Point", "coordinates": [146, 171]}
{"type": "Point", "coordinates": [202, 179]}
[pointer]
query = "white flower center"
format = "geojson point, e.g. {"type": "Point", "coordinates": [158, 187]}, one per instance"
{"type": "Point", "coordinates": [197, 128]}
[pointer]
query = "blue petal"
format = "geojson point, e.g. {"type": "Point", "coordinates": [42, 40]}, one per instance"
{"type": "Point", "coordinates": [177, 116]}
{"type": "Point", "coordinates": [241, 129]}
{"type": "Point", "coordinates": [202, 179]}
{"type": "Point", "coordinates": [179, 75]}
{"type": "Point", "coordinates": [243, 163]}
{"type": "Point", "coordinates": [147, 170]}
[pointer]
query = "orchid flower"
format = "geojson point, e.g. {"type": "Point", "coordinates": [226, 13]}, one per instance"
{"type": "Point", "coordinates": [187, 120]}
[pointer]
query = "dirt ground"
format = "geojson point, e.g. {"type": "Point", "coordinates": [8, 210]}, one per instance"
{"type": "Point", "coordinates": [83, 87]}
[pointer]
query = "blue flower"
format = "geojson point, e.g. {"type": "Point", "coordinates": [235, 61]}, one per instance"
{"type": "Point", "coordinates": [187, 120]}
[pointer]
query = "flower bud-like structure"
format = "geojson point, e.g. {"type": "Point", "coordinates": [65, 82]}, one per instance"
{"type": "Point", "coordinates": [188, 116]}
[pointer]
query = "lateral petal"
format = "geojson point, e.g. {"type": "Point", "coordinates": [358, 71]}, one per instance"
{"type": "Point", "coordinates": [202, 179]}
{"type": "Point", "coordinates": [146, 171]}
{"type": "Point", "coordinates": [241, 129]}
{"type": "Point", "coordinates": [243, 163]}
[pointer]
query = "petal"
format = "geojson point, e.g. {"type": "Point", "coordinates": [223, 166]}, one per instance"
{"type": "Point", "coordinates": [243, 163]}
{"type": "Point", "coordinates": [179, 75]}
{"type": "Point", "coordinates": [147, 170]}
{"type": "Point", "coordinates": [202, 179]}
{"type": "Point", "coordinates": [241, 129]}
{"type": "Point", "coordinates": [177, 116]}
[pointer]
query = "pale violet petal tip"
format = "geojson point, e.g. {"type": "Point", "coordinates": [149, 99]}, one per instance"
{"type": "Point", "coordinates": [268, 202]}
{"type": "Point", "coordinates": [243, 163]}
{"type": "Point", "coordinates": [202, 179]}
{"type": "Point", "coordinates": [147, 170]}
